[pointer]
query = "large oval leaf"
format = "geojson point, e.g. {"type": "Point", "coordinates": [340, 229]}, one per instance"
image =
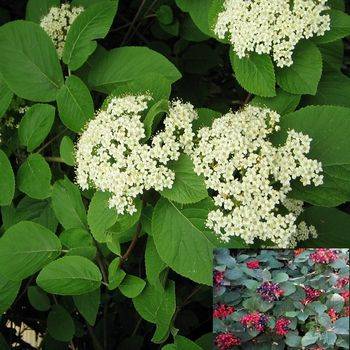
{"type": "Point", "coordinates": [34, 177]}
{"type": "Point", "coordinates": [36, 125]}
{"type": "Point", "coordinates": [188, 187]}
{"type": "Point", "coordinates": [60, 324]}
{"type": "Point", "coordinates": [70, 275]}
{"type": "Point", "coordinates": [126, 64]}
{"type": "Point", "coordinates": [91, 24]}
{"type": "Point", "coordinates": [68, 205]}
{"type": "Point", "coordinates": [5, 97]}
{"type": "Point", "coordinates": [182, 240]}
{"type": "Point", "coordinates": [329, 128]}
{"type": "Point", "coordinates": [25, 248]}
{"type": "Point", "coordinates": [75, 104]}
{"type": "Point", "coordinates": [7, 180]}
{"type": "Point", "coordinates": [29, 62]}
{"type": "Point", "coordinates": [38, 8]}
{"type": "Point", "coordinates": [8, 292]}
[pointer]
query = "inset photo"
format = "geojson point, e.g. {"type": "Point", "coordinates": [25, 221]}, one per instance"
{"type": "Point", "coordinates": [281, 299]}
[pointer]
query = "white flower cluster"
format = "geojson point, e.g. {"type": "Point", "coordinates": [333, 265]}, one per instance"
{"type": "Point", "coordinates": [111, 156]}
{"type": "Point", "coordinates": [57, 22]}
{"type": "Point", "coordinates": [271, 26]}
{"type": "Point", "coordinates": [251, 177]}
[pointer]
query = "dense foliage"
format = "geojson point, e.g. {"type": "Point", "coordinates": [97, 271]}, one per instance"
{"type": "Point", "coordinates": [281, 299]}
{"type": "Point", "coordinates": [117, 176]}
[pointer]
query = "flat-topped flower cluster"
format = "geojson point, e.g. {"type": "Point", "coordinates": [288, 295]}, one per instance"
{"type": "Point", "coordinates": [111, 155]}
{"type": "Point", "coordinates": [252, 177]}
{"type": "Point", "coordinates": [271, 26]}
{"type": "Point", "coordinates": [57, 23]}
{"type": "Point", "coordinates": [249, 176]}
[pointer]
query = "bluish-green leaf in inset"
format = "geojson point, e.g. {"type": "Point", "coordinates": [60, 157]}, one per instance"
{"type": "Point", "coordinates": [68, 205]}
{"type": "Point", "coordinates": [188, 187]}
{"type": "Point", "coordinates": [36, 125]}
{"type": "Point", "coordinates": [70, 275]}
{"type": "Point", "coordinates": [93, 23]}
{"type": "Point", "coordinates": [255, 73]}
{"type": "Point", "coordinates": [75, 104]}
{"type": "Point", "coordinates": [25, 248]}
{"type": "Point", "coordinates": [126, 64]}
{"type": "Point", "coordinates": [28, 61]}
{"type": "Point", "coordinates": [34, 177]}
{"type": "Point", "coordinates": [7, 180]}
{"type": "Point", "coordinates": [303, 75]}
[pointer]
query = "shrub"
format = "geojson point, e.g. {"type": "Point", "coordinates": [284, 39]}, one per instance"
{"type": "Point", "coordinates": [281, 299]}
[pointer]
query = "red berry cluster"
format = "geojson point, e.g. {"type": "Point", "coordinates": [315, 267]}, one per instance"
{"type": "Point", "coordinates": [253, 264]}
{"type": "Point", "coordinates": [332, 314]}
{"type": "Point", "coordinates": [311, 295]}
{"type": "Point", "coordinates": [342, 282]}
{"type": "Point", "coordinates": [323, 256]}
{"type": "Point", "coordinates": [222, 311]}
{"type": "Point", "coordinates": [255, 320]}
{"type": "Point", "coordinates": [282, 326]}
{"type": "Point", "coordinates": [218, 278]}
{"type": "Point", "coordinates": [270, 291]}
{"type": "Point", "coordinates": [227, 340]}
{"type": "Point", "coordinates": [346, 296]}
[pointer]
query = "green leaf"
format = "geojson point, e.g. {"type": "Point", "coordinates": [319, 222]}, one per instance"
{"type": "Point", "coordinates": [29, 62]}
{"type": "Point", "coordinates": [333, 89]}
{"type": "Point", "coordinates": [255, 73]}
{"type": "Point", "coordinates": [36, 125]}
{"type": "Point", "coordinates": [184, 343]}
{"type": "Point", "coordinates": [100, 217]}
{"type": "Point", "coordinates": [152, 83]}
{"type": "Point", "coordinates": [93, 23]}
{"type": "Point", "coordinates": [280, 277]}
{"type": "Point", "coordinates": [38, 299]}
{"type": "Point", "coordinates": [8, 293]}
{"type": "Point", "coordinates": [125, 64]}
{"type": "Point", "coordinates": [115, 274]}
{"type": "Point", "coordinates": [25, 248]}
{"type": "Point", "coordinates": [341, 325]}
{"type": "Point", "coordinates": [70, 275]}
{"type": "Point", "coordinates": [6, 96]}
{"type": "Point", "coordinates": [303, 75]}
{"type": "Point", "coordinates": [188, 187]}
{"type": "Point", "coordinates": [282, 103]}
{"type": "Point", "coordinates": [165, 14]}
{"type": "Point", "coordinates": [75, 104]}
{"type": "Point", "coordinates": [34, 177]}
{"type": "Point", "coordinates": [67, 150]}
{"type": "Point", "coordinates": [206, 117]}
{"type": "Point", "coordinates": [330, 224]}
{"type": "Point", "coordinates": [340, 27]}
{"type": "Point", "coordinates": [332, 55]}
{"type": "Point", "coordinates": [7, 180]}
{"type": "Point", "coordinates": [88, 305]}
{"type": "Point", "coordinates": [154, 264]}
{"type": "Point", "coordinates": [293, 340]}
{"type": "Point", "coordinates": [36, 9]}
{"type": "Point", "coordinates": [131, 286]}
{"type": "Point", "coordinates": [68, 205]}
{"type": "Point", "coordinates": [79, 242]}
{"type": "Point", "coordinates": [157, 305]}
{"type": "Point", "coordinates": [60, 324]}
{"type": "Point", "coordinates": [329, 127]}
{"type": "Point", "coordinates": [153, 116]}
{"type": "Point", "coordinates": [310, 338]}
{"type": "Point", "coordinates": [182, 240]}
